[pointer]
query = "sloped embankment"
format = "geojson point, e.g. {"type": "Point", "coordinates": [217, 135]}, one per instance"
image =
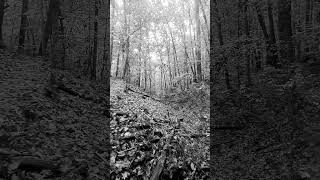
{"type": "Point", "coordinates": [151, 140]}
{"type": "Point", "coordinates": [65, 137]}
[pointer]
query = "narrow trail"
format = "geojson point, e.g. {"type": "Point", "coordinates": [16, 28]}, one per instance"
{"type": "Point", "coordinates": [150, 138]}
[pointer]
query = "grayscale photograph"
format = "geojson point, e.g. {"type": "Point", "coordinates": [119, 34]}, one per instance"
{"type": "Point", "coordinates": [160, 89]}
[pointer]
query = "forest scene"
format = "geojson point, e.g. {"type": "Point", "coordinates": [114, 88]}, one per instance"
{"type": "Point", "coordinates": [160, 89]}
{"type": "Point", "coordinates": [160, 79]}
{"type": "Point", "coordinates": [264, 89]}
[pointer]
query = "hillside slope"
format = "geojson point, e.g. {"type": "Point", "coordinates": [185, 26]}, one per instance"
{"type": "Point", "coordinates": [66, 134]}
{"type": "Point", "coordinates": [149, 137]}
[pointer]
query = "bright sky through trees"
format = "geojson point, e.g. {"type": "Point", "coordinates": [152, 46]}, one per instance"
{"type": "Point", "coordinates": [162, 38]}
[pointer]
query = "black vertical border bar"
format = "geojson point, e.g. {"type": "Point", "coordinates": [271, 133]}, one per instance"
{"type": "Point", "coordinates": [211, 90]}
{"type": "Point", "coordinates": [108, 66]}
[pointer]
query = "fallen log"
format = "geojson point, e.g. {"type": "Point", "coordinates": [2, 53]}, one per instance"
{"type": "Point", "coordinates": [59, 85]}
{"type": "Point", "coordinates": [37, 165]}
{"type": "Point", "coordinates": [159, 167]}
{"type": "Point", "coordinates": [162, 159]}
{"type": "Point", "coordinates": [144, 95]}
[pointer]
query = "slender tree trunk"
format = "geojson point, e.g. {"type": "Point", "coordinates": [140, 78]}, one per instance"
{"type": "Point", "coordinates": [174, 54]}
{"type": "Point", "coordinates": [23, 24]}
{"type": "Point", "coordinates": [239, 50]}
{"type": "Point", "coordinates": [247, 31]}
{"type": "Point", "coordinates": [198, 42]}
{"type": "Point", "coordinates": [42, 27]}
{"type": "Point", "coordinates": [48, 27]}
{"type": "Point", "coordinates": [192, 51]}
{"type": "Point", "coordinates": [118, 61]}
{"type": "Point", "coordinates": [285, 31]}
{"type": "Point", "coordinates": [52, 28]}
{"type": "Point", "coordinates": [107, 54]}
{"type": "Point", "coordinates": [88, 66]}
{"type": "Point", "coordinates": [308, 25]}
{"type": "Point", "coordinates": [95, 42]}
{"type": "Point", "coordinates": [145, 74]}
{"type": "Point", "coordinates": [271, 23]}
{"type": "Point", "coordinates": [34, 49]}
{"type": "Point", "coordinates": [186, 68]}
{"type": "Point", "coordinates": [150, 79]}
{"type": "Point", "coordinates": [227, 79]}
{"type": "Point", "coordinates": [204, 16]}
{"type": "Point", "coordinates": [62, 40]}
{"type": "Point", "coordinates": [269, 39]}
{"type": "Point", "coordinates": [126, 72]}
{"type": "Point", "coordinates": [2, 8]}
{"type": "Point", "coordinates": [262, 23]}
{"type": "Point", "coordinates": [140, 52]}
{"type": "Point", "coordinates": [272, 54]}
{"type": "Point", "coordinates": [145, 66]}
{"type": "Point", "coordinates": [169, 64]}
{"type": "Point", "coordinates": [109, 49]}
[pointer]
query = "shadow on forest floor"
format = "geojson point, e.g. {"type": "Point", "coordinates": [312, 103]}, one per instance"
{"type": "Point", "coordinates": [277, 134]}
{"type": "Point", "coordinates": [65, 135]}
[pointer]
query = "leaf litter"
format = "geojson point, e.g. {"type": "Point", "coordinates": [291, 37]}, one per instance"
{"type": "Point", "coordinates": [67, 137]}
{"type": "Point", "coordinates": [148, 141]}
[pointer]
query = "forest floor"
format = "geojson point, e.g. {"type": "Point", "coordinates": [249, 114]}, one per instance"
{"type": "Point", "coordinates": [65, 135]}
{"type": "Point", "coordinates": [149, 137]}
{"type": "Point", "coordinates": [271, 129]}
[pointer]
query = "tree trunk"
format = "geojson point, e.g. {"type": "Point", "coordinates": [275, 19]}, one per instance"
{"type": "Point", "coordinates": [52, 28]}
{"type": "Point", "coordinates": [308, 25]}
{"type": "Point", "coordinates": [262, 23]}
{"type": "Point", "coordinates": [227, 79]}
{"type": "Point", "coordinates": [150, 75]}
{"type": "Point", "coordinates": [238, 45]}
{"type": "Point", "coordinates": [309, 14]}
{"type": "Point", "coordinates": [285, 31]}
{"type": "Point", "coordinates": [126, 71]}
{"type": "Point", "coordinates": [169, 64]}
{"type": "Point", "coordinates": [145, 66]}
{"type": "Point", "coordinates": [140, 52]}
{"type": "Point", "coordinates": [204, 16]}
{"type": "Point", "coordinates": [51, 24]}
{"type": "Point", "coordinates": [247, 31]}
{"type": "Point", "coordinates": [269, 39]}
{"type": "Point", "coordinates": [95, 42]}
{"type": "Point", "coordinates": [192, 51]}
{"type": "Point", "coordinates": [2, 45]}
{"type": "Point", "coordinates": [198, 42]}
{"type": "Point", "coordinates": [272, 50]}
{"type": "Point", "coordinates": [145, 74]}
{"type": "Point", "coordinates": [88, 66]}
{"type": "Point", "coordinates": [174, 54]}
{"type": "Point", "coordinates": [41, 27]}
{"type": "Point", "coordinates": [107, 54]}
{"type": "Point", "coordinates": [23, 24]}
{"type": "Point", "coordinates": [118, 61]}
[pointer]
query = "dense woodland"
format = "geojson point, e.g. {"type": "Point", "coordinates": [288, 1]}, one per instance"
{"type": "Point", "coordinates": [161, 46]}
{"type": "Point", "coordinates": [264, 69]}
{"type": "Point", "coordinates": [123, 89]}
